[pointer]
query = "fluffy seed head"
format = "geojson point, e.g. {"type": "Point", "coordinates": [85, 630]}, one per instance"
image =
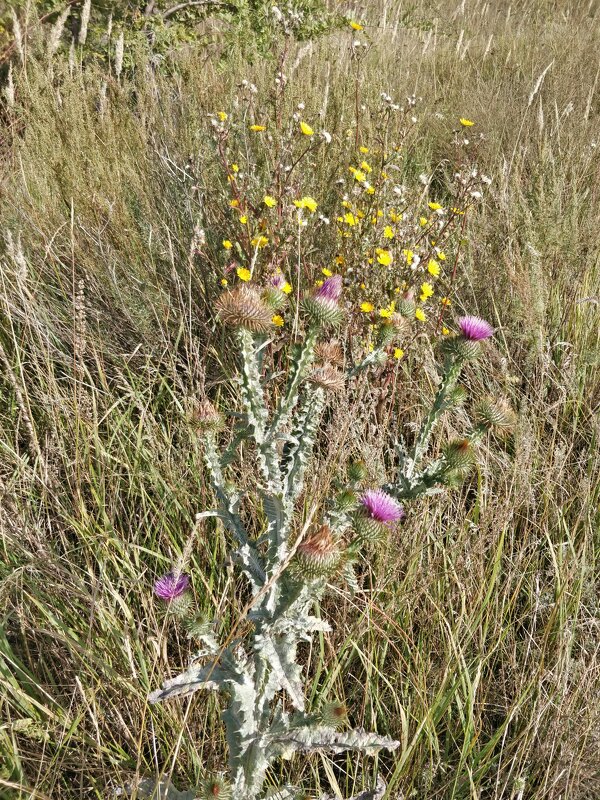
{"type": "Point", "coordinates": [243, 307]}
{"type": "Point", "coordinates": [475, 329]}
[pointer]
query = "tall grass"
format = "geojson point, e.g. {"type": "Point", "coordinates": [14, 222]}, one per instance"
{"type": "Point", "coordinates": [476, 639]}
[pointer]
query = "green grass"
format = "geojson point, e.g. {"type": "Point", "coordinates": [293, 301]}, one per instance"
{"type": "Point", "coordinates": [475, 640]}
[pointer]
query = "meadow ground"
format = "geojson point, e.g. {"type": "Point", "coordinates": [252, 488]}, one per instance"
{"type": "Point", "coordinates": [475, 638]}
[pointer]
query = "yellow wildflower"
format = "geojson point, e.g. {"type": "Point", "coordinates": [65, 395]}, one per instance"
{"type": "Point", "coordinates": [385, 258]}
{"type": "Point", "coordinates": [327, 272]}
{"type": "Point", "coordinates": [359, 176]}
{"type": "Point", "coordinates": [364, 149]}
{"type": "Point", "coordinates": [286, 288]}
{"type": "Point", "coordinates": [395, 217]}
{"type": "Point", "coordinates": [350, 219]}
{"type": "Point", "coordinates": [243, 273]}
{"type": "Point", "coordinates": [370, 190]}
{"type": "Point", "coordinates": [269, 201]}
{"type": "Point", "coordinates": [224, 281]}
{"type": "Point", "coordinates": [435, 206]}
{"type": "Point", "coordinates": [385, 312]}
{"type": "Point", "coordinates": [466, 123]}
{"type": "Point", "coordinates": [227, 244]}
{"type": "Point", "coordinates": [366, 308]}
{"type": "Point", "coordinates": [234, 203]}
{"type": "Point", "coordinates": [420, 315]}
{"type": "Point", "coordinates": [257, 128]}
{"type": "Point", "coordinates": [340, 260]}
{"type": "Point", "coordinates": [398, 353]}
{"type": "Point", "coordinates": [306, 202]}
{"type": "Point", "coordinates": [362, 286]}
{"type": "Point", "coordinates": [360, 214]}
{"type": "Point", "coordinates": [306, 129]}
{"type": "Point", "coordinates": [433, 268]}
{"type": "Point", "coordinates": [445, 301]}
{"type": "Point", "coordinates": [445, 331]}
{"type": "Point", "coordinates": [356, 26]}
{"type": "Point", "coordinates": [259, 241]}
{"type": "Point", "coordinates": [426, 291]}
{"type": "Point", "coordinates": [409, 255]}
{"type": "Point", "coordinates": [346, 204]}
{"type": "Point", "coordinates": [423, 221]}
{"type": "Point", "coordinates": [366, 167]}
{"type": "Point", "coordinates": [277, 320]}
{"type": "Point", "coordinates": [388, 232]}
{"type": "Point", "coordinates": [244, 220]}
{"type": "Point", "coordinates": [441, 255]}
{"type": "Point", "coordinates": [222, 115]}
{"type": "Point", "coordinates": [235, 168]}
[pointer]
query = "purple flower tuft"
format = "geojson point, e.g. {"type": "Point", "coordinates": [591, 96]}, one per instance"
{"type": "Point", "coordinates": [475, 329]}
{"type": "Point", "coordinates": [331, 289]}
{"type": "Point", "coordinates": [171, 586]}
{"type": "Point", "coordinates": [381, 507]}
{"type": "Point", "coordinates": [278, 280]}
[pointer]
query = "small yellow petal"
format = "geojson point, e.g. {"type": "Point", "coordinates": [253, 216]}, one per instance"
{"type": "Point", "coordinates": [327, 272]}
{"type": "Point", "coordinates": [466, 123]}
{"type": "Point", "coordinates": [356, 26]}
{"type": "Point", "coordinates": [306, 129]}
{"type": "Point", "coordinates": [257, 128]}
{"type": "Point", "coordinates": [420, 315]}
{"type": "Point", "coordinates": [286, 288]}
{"type": "Point", "coordinates": [434, 206]}
{"type": "Point", "coordinates": [222, 115]}
{"type": "Point", "coordinates": [398, 353]}
{"type": "Point", "coordinates": [269, 201]}
{"type": "Point", "coordinates": [227, 244]}
{"type": "Point", "coordinates": [243, 273]}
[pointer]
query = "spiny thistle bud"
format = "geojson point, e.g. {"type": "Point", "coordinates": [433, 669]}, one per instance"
{"type": "Point", "coordinates": [243, 307]}
{"type": "Point", "coordinates": [459, 455]}
{"type": "Point", "coordinates": [215, 787]}
{"type": "Point", "coordinates": [346, 500]}
{"type": "Point", "coordinates": [457, 396]}
{"type": "Point", "coordinates": [378, 513]}
{"type": "Point", "coordinates": [406, 304]}
{"type": "Point", "coordinates": [496, 415]}
{"type": "Point", "coordinates": [274, 294]}
{"type": "Point", "coordinates": [328, 378]}
{"type": "Point", "coordinates": [357, 471]}
{"type": "Point", "coordinates": [318, 554]}
{"type": "Point", "coordinates": [333, 715]}
{"type": "Point", "coordinates": [173, 589]}
{"type": "Point", "coordinates": [400, 323]}
{"type": "Point", "coordinates": [386, 334]}
{"type": "Point", "coordinates": [197, 626]}
{"type": "Point", "coordinates": [205, 417]}
{"type": "Point", "coordinates": [330, 353]}
{"type": "Point", "coordinates": [323, 305]}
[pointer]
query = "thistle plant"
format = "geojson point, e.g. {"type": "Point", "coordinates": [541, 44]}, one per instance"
{"type": "Point", "coordinates": [260, 676]}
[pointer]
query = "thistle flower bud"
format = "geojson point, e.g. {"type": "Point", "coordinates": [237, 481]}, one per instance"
{"type": "Point", "coordinates": [333, 715]}
{"type": "Point", "coordinates": [357, 471]}
{"type": "Point", "coordinates": [215, 787]}
{"type": "Point", "coordinates": [330, 353]}
{"type": "Point", "coordinates": [173, 589]}
{"type": "Point", "coordinates": [457, 396]}
{"type": "Point", "coordinates": [328, 378]}
{"type": "Point", "coordinates": [323, 305]}
{"type": "Point", "coordinates": [386, 334]}
{"type": "Point", "coordinates": [318, 554]}
{"type": "Point", "coordinates": [406, 304]}
{"type": "Point", "coordinates": [459, 455]}
{"type": "Point", "coordinates": [274, 294]}
{"type": "Point", "coordinates": [346, 500]}
{"type": "Point", "coordinates": [496, 415]}
{"type": "Point", "coordinates": [378, 513]}
{"type": "Point", "coordinates": [205, 417]}
{"type": "Point", "coordinates": [243, 307]}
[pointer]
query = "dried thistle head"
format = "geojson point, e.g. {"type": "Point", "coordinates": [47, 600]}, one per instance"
{"type": "Point", "coordinates": [243, 307]}
{"type": "Point", "coordinates": [330, 353]}
{"type": "Point", "coordinates": [328, 378]}
{"type": "Point", "coordinates": [459, 455]}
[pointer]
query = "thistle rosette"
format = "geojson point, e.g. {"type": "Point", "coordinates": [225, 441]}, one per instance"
{"type": "Point", "coordinates": [174, 590]}
{"type": "Point", "coordinates": [322, 306]}
{"type": "Point", "coordinates": [378, 513]}
{"type": "Point", "coordinates": [243, 307]}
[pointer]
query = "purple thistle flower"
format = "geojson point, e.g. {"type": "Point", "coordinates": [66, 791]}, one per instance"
{"type": "Point", "coordinates": [475, 329]}
{"type": "Point", "coordinates": [171, 586]}
{"type": "Point", "coordinates": [331, 289]}
{"type": "Point", "coordinates": [381, 507]}
{"type": "Point", "coordinates": [278, 280]}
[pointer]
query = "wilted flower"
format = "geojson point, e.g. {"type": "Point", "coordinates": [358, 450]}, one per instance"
{"type": "Point", "coordinates": [328, 378]}
{"type": "Point", "coordinates": [318, 554]}
{"type": "Point", "coordinates": [475, 329]}
{"type": "Point", "coordinates": [244, 307]}
{"type": "Point", "coordinates": [205, 417]}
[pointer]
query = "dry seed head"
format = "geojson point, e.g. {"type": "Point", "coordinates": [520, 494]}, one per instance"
{"type": "Point", "coordinates": [328, 378]}
{"type": "Point", "coordinates": [243, 307]}
{"type": "Point", "coordinates": [330, 353]}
